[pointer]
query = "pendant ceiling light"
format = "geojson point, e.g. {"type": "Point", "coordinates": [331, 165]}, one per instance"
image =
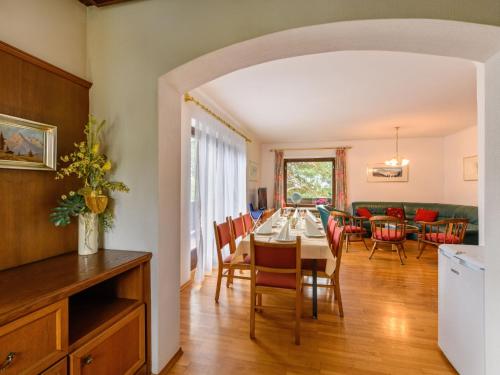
{"type": "Point", "coordinates": [396, 161]}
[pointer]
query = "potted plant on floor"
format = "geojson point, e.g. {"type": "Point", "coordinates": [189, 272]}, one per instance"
{"type": "Point", "coordinates": [90, 202]}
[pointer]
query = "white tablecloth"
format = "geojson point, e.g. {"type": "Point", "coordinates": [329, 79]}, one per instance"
{"type": "Point", "coordinates": [311, 248]}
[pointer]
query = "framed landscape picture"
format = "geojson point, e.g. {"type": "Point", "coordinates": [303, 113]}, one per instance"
{"type": "Point", "coordinates": [253, 171]}
{"type": "Point", "coordinates": [26, 144]}
{"type": "Point", "coordinates": [384, 173]}
{"type": "Point", "coordinates": [470, 168]}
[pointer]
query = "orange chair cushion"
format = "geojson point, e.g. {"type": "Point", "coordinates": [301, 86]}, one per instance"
{"type": "Point", "coordinates": [388, 235]}
{"type": "Point", "coordinates": [354, 229]}
{"type": "Point", "coordinates": [224, 234]}
{"type": "Point", "coordinates": [275, 280]}
{"type": "Point", "coordinates": [442, 238]}
{"type": "Point", "coordinates": [320, 264]}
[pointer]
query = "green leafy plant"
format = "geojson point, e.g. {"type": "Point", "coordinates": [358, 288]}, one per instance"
{"type": "Point", "coordinates": [92, 167]}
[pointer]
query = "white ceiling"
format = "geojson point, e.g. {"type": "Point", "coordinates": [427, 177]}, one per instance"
{"type": "Point", "coordinates": [350, 95]}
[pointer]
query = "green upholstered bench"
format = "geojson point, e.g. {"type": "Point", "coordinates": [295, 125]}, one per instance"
{"type": "Point", "coordinates": [446, 211]}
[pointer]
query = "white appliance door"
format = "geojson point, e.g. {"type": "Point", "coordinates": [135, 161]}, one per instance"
{"type": "Point", "coordinates": [461, 314]}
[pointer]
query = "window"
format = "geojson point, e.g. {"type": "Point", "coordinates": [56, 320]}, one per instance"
{"type": "Point", "coordinates": [309, 181]}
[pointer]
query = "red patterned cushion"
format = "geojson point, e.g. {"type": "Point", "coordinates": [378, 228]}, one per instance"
{"type": "Point", "coordinates": [364, 212]}
{"type": "Point", "coordinates": [396, 212]}
{"type": "Point", "coordinates": [442, 238]}
{"type": "Point", "coordinates": [275, 280]}
{"type": "Point", "coordinates": [426, 215]}
{"type": "Point", "coordinates": [385, 234]}
{"type": "Point", "coordinates": [229, 259]}
{"type": "Point", "coordinates": [354, 229]}
{"type": "Point", "coordinates": [320, 264]}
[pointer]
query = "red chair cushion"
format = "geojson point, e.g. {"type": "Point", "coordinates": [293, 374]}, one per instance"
{"type": "Point", "coordinates": [238, 227]}
{"type": "Point", "coordinates": [248, 223]}
{"type": "Point", "coordinates": [320, 264]}
{"type": "Point", "coordinates": [354, 229]}
{"type": "Point", "coordinates": [275, 257]}
{"type": "Point", "coordinates": [442, 238]}
{"type": "Point", "coordinates": [388, 235]}
{"type": "Point", "coordinates": [275, 280]}
{"type": "Point", "coordinates": [224, 234]}
{"type": "Point", "coordinates": [364, 212]}
{"type": "Point", "coordinates": [426, 215]}
{"type": "Point", "coordinates": [396, 212]}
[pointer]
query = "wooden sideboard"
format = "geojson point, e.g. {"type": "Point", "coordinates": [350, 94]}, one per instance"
{"type": "Point", "coordinates": [77, 315]}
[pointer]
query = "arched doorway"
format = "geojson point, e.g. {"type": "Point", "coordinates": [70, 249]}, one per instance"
{"type": "Point", "coordinates": [473, 42]}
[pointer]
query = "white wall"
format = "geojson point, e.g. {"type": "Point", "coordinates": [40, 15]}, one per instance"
{"type": "Point", "coordinates": [425, 174]}
{"type": "Point", "coordinates": [52, 30]}
{"type": "Point", "coordinates": [456, 147]}
{"type": "Point", "coordinates": [489, 101]}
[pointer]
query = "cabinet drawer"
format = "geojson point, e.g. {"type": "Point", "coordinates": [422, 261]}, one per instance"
{"type": "Point", "coordinates": [60, 368]}
{"type": "Point", "coordinates": [34, 342]}
{"type": "Point", "coordinates": [118, 350]}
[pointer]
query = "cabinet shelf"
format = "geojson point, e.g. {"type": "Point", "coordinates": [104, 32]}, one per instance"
{"type": "Point", "coordinates": [88, 316]}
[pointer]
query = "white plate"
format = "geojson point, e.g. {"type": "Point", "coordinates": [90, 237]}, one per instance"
{"type": "Point", "coordinates": [264, 234]}
{"type": "Point", "coordinates": [315, 235]}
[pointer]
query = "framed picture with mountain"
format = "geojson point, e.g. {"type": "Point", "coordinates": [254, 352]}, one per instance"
{"type": "Point", "coordinates": [26, 144]}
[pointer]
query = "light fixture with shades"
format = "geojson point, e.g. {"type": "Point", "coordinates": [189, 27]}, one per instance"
{"type": "Point", "coordinates": [396, 161]}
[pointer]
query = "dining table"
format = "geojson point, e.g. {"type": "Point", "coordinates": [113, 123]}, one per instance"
{"type": "Point", "coordinates": [313, 248]}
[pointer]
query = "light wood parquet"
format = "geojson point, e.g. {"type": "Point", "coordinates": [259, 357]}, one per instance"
{"type": "Point", "coordinates": [390, 324]}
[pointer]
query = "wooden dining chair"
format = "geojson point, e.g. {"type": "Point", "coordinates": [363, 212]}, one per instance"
{"type": "Point", "coordinates": [249, 223]}
{"type": "Point", "coordinates": [450, 231]}
{"type": "Point", "coordinates": [275, 269]}
{"type": "Point", "coordinates": [223, 238]}
{"type": "Point", "coordinates": [354, 230]}
{"type": "Point", "coordinates": [336, 244]}
{"type": "Point", "coordinates": [330, 227]}
{"type": "Point", "coordinates": [388, 230]}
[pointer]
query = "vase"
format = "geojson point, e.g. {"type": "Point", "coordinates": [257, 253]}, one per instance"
{"type": "Point", "coordinates": [88, 233]}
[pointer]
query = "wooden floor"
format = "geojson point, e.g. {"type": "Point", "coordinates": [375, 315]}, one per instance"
{"type": "Point", "coordinates": [389, 327]}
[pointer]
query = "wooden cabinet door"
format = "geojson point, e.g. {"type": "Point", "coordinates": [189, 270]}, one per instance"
{"type": "Point", "coordinates": [32, 343]}
{"type": "Point", "coordinates": [118, 350]}
{"type": "Point", "coordinates": [60, 368]}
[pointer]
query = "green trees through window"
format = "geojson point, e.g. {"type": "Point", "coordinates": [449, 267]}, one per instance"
{"type": "Point", "coordinates": [313, 179]}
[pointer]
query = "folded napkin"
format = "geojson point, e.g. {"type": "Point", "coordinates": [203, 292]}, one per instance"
{"type": "Point", "coordinates": [311, 215]}
{"type": "Point", "coordinates": [276, 217]}
{"type": "Point", "coordinates": [265, 228]}
{"type": "Point", "coordinates": [284, 234]}
{"type": "Point", "coordinates": [296, 213]}
{"type": "Point", "coordinates": [312, 227]}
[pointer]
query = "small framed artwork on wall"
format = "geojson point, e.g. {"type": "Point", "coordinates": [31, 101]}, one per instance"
{"type": "Point", "coordinates": [253, 171]}
{"type": "Point", "coordinates": [26, 144]}
{"type": "Point", "coordinates": [383, 173]}
{"type": "Point", "coordinates": [470, 168]}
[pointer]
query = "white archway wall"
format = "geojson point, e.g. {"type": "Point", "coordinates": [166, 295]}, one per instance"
{"type": "Point", "coordinates": [373, 35]}
{"type": "Point", "coordinates": [491, 187]}
{"type": "Point", "coordinates": [131, 45]}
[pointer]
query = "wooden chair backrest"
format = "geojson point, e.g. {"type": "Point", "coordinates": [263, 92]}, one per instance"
{"type": "Point", "coordinates": [383, 224]}
{"type": "Point", "coordinates": [345, 219]}
{"type": "Point", "coordinates": [223, 237]}
{"type": "Point", "coordinates": [451, 228]}
{"type": "Point", "coordinates": [237, 227]}
{"type": "Point", "coordinates": [275, 257]}
{"type": "Point", "coordinates": [249, 225]}
{"type": "Point", "coordinates": [330, 228]}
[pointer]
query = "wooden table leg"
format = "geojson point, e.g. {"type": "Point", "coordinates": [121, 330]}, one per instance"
{"type": "Point", "coordinates": [315, 289]}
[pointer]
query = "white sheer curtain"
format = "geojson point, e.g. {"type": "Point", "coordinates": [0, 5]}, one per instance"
{"type": "Point", "coordinates": [219, 179]}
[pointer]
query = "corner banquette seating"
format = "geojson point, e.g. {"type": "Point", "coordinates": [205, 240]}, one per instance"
{"type": "Point", "coordinates": [446, 211]}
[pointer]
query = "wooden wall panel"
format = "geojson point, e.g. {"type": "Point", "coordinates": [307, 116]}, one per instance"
{"type": "Point", "coordinates": [35, 90]}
